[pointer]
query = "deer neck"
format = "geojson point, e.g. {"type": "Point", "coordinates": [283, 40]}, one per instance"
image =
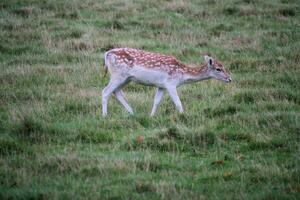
{"type": "Point", "coordinates": [196, 74]}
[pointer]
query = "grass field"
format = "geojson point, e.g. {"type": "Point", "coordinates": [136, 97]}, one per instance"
{"type": "Point", "coordinates": [234, 141]}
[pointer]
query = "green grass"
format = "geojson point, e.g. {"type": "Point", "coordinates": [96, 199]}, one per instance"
{"type": "Point", "coordinates": [234, 141]}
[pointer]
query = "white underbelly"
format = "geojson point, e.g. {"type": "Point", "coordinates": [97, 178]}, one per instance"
{"type": "Point", "coordinates": [148, 76]}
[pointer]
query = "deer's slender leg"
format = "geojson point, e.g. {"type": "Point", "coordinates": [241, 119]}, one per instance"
{"type": "Point", "coordinates": [174, 96]}
{"type": "Point", "coordinates": [114, 84]}
{"type": "Point", "coordinates": [120, 97]}
{"type": "Point", "coordinates": [158, 96]}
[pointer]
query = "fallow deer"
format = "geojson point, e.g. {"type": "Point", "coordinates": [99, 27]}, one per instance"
{"type": "Point", "coordinates": [154, 69]}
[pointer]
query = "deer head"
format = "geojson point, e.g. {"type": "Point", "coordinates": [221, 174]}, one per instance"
{"type": "Point", "coordinates": [216, 70]}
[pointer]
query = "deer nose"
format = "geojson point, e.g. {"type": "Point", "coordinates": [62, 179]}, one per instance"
{"type": "Point", "coordinates": [229, 80]}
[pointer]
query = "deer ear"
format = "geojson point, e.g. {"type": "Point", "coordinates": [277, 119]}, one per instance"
{"type": "Point", "coordinates": [208, 60]}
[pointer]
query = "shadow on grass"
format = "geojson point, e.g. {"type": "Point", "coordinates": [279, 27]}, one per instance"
{"type": "Point", "coordinates": [174, 139]}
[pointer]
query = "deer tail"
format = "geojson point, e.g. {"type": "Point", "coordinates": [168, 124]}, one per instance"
{"type": "Point", "coordinates": [105, 65]}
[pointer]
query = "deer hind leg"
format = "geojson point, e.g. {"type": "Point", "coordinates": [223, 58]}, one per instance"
{"type": "Point", "coordinates": [120, 97]}
{"type": "Point", "coordinates": [158, 96]}
{"type": "Point", "coordinates": [114, 84]}
{"type": "Point", "coordinates": [174, 96]}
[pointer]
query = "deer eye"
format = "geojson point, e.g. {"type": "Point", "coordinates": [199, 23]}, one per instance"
{"type": "Point", "coordinates": [218, 69]}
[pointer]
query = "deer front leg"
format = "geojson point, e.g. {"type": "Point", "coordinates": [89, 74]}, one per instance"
{"type": "Point", "coordinates": [120, 97]}
{"type": "Point", "coordinates": [174, 96]}
{"type": "Point", "coordinates": [158, 96]}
